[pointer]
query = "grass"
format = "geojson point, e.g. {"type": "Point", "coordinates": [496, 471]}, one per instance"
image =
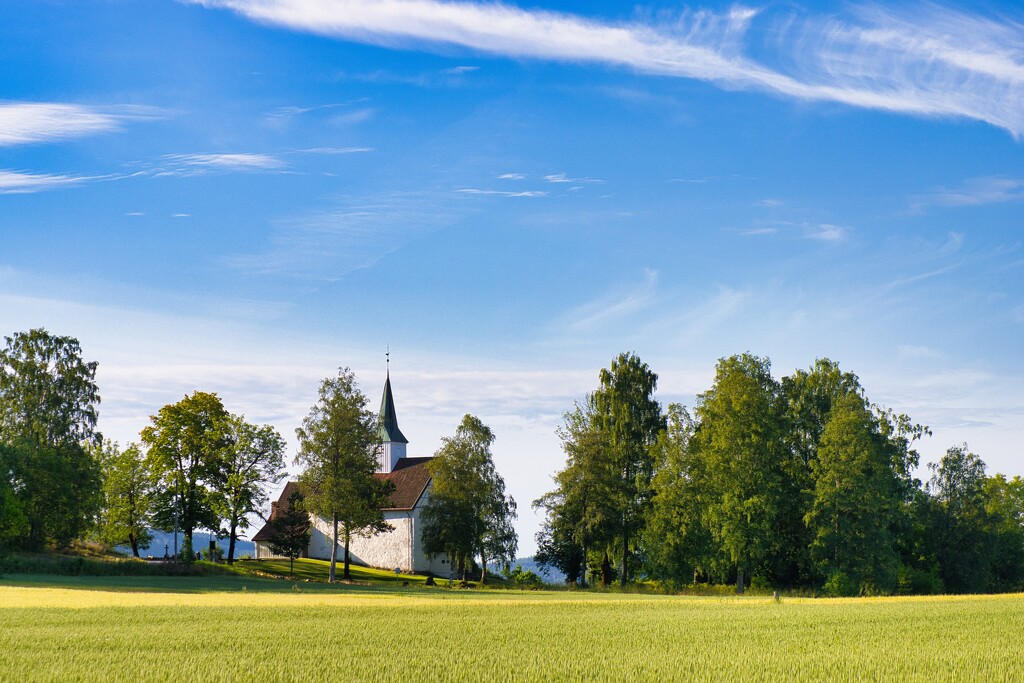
{"type": "Point", "coordinates": [82, 564]}
{"type": "Point", "coordinates": [319, 570]}
{"type": "Point", "coordinates": [246, 628]}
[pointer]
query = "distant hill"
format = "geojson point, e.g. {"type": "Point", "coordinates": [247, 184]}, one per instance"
{"type": "Point", "coordinates": [549, 575]}
{"type": "Point", "coordinates": [200, 540]}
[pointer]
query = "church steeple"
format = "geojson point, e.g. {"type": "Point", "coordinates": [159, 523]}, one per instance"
{"type": "Point", "coordinates": [391, 436]}
{"type": "Point", "coordinates": [389, 431]}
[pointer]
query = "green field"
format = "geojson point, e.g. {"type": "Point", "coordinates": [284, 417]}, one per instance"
{"type": "Point", "coordinates": [239, 628]}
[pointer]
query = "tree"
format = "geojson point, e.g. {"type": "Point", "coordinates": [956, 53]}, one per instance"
{"type": "Point", "coordinates": [1004, 505]}
{"type": "Point", "coordinates": [48, 399]}
{"type": "Point", "coordinates": [580, 515]}
{"type": "Point", "coordinates": [854, 504]}
{"type": "Point", "coordinates": [289, 530]}
{"type": "Point", "coordinates": [963, 526]}
{"type": "Point", "coordinates": [13, 523]}
{"type": "Point", "coordinates": [626, 412]}
{"type": "Point", "coordinates": [48, 394]}
{"type": "Point", "coordinates": [809, 396]}
{"type": "Point", "coordinates": [185, 446]}
{"type": "Point", "coordinates": [740, 437]}
{"type": "Point", "coordinates": [338, 449]}
{"type": "Point", "coordinates": [677, 543]}
{"type": "Point", "coordinates": [468, 513]}
{"type": "Point", "coordinates": [128, 496]}
{"type": "Point", "coordinates": [251, 461]}
{"type": "Point", "coordinates": [556, 547]}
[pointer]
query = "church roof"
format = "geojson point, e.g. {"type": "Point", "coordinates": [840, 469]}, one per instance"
{"type": "Point", "coordinates": [264, 533]}
{"type": "Point", "coordinates": [410, 477]}
{"type": "Point", "coordinates": [389, 431]}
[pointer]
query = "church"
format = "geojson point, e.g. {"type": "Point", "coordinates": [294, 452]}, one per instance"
{"type": "Point", "coordinates": [400, 548]}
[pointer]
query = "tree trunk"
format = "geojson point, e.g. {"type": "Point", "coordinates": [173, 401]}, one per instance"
{"type": "Point", "coordinates": [334, 549]}
{"type": "Point", "coordinates": [625, 551]}
{"type": "Point", "coordinates": [606, 570]}
{"type": "Point", "coordinates": [231, 543]}
{"type": "Point", "coordinates": [739, 581]}
{"type": "Point", "coordinates": [347, 574]}
{"type": "Point", "coordinates": [134, 541]}
{"type": "Point", "coordinates": [583, 574]}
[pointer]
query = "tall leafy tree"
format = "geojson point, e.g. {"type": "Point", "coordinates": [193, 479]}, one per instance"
{"type": "Point", "coordinates": [13, 523]}
{"type": "Point", "coordinates": [962, 525]}
{"type": "Point", "coordinates": [251, 461]}
{"type": "Point", "coordinates": [289, 529]}
{"type": "Point", "coordinates": [128, 497]}
{"type": "Point", "coordinates": [48, 394]}
{"type": "Point", "coordinates": [468, 512]}
{"type": "Point", "coordinates": [48, 400]}
{"type": "Point", "coordinates": [1004, 505]}
{"type": "Point", "coordinates": [338, 450]}
{"type": "Point", "coordinates": [627, 413]}
{"type": "Point", "coordinates": [854, 504]}
{"type": "Point", "coordinates": [185, 446]}
{"type": "Point", "coordinates": [740, 436]}
{"type": "Point", "coordinates": [901, 434]}
{"type": "Point", "coordinates": [678, 546]}
{"type": "Point", "coordinates": [809, 396]}
{"type": "Point", "coordinates": [580, 516]}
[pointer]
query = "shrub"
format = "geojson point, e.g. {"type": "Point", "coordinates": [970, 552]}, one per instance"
{"type": "Point", "coordinates": [521, 578]}
{"type": "Point", "coordinates": [839, 584]}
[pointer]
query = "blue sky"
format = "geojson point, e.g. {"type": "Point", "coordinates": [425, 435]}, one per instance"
{"type": "Point", "coordinates": [241, 195]}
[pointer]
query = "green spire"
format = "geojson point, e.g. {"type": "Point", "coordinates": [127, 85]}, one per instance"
{"type": "Point", "coordinates": [389, 431]}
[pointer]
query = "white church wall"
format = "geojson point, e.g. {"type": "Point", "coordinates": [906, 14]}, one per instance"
{"type": "Point", "coordinates": [263, 552]}
{"type": "Point", "coordinates": [438, 566]}
{"type": "Point", "coordinates": [385, 550]}
{"type": "Point", "coordinates": [389, 455]}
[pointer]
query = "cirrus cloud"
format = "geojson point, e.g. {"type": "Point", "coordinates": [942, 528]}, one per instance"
{"type": "Point", "coordinates": [922, 59]}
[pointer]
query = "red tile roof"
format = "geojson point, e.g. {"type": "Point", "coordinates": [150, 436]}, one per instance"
{"type": "Point", "coordinates": [410, 477]}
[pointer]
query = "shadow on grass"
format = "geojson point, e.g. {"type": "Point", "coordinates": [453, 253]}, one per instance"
{"type": "Point", "coordinates": [195, 584]}
{"type": "Point", "coordinates": [263, 576]}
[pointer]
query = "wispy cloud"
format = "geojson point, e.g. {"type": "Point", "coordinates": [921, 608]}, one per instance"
{"type": "Point", "coordinates": [502, 193]}
{"type": "Point", "coordinates": [198, 164]}
{"type": "Point", "coordinates": [328, 245]}
{"type": "Point", "coordinates": [337, 150]}
{"type": "Point", "coordinates": [24, 123]}
{"type": "Point", "coordinates": [825, 232]}
{"type": "Point", "coordinates": [918, 352]}
{"type": "Point", "coordinates": [710, 179]}
{"type": "Point", "coordinates": [564, 178]}
{"type": "Point", "coordinates": [17, 182]}
{"type": "Point", "coordinates": [922, 59]}
{"type": "Point", "coordinates": [612, 307]}
{"type": "Point", "coordinates": [512, 176]}
{"type": "Point", "coordinates": [974, 192]}
{"type": "Point", "coordinates": [33, 122]}
{"type": "Point", "coordinates": [457, 70]}
{"type": "Point", "coordinates": [354, 117]}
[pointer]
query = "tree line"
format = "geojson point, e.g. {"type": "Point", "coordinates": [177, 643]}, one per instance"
{"type": "Point", "coordinates": [798, 483]}
{"type": "Point", "coordinates": [197, 466]}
